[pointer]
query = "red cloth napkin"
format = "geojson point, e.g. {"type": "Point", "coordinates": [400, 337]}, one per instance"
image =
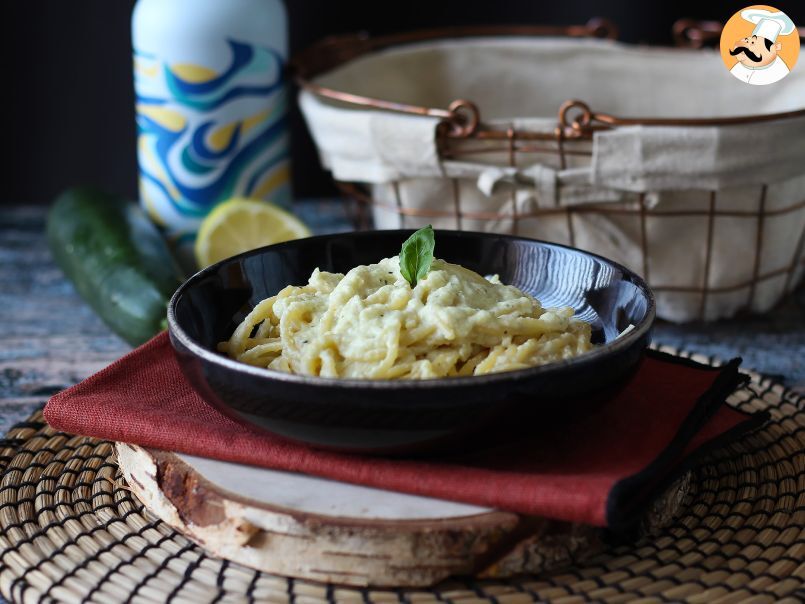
{"type": "Point", "coordinates": [601, 469]}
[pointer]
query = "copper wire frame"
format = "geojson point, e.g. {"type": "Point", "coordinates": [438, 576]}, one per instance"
{"type": "Point", "coordinates": [461, 123]}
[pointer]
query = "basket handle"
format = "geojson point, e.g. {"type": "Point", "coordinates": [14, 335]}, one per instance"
{"type": "Point", "coordinates": [692, 33]}
{"type": "Point", "coordinates": [462, 118]}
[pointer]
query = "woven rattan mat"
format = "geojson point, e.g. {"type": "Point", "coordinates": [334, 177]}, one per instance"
{"type": "Point", "coordinates": [71, 531]}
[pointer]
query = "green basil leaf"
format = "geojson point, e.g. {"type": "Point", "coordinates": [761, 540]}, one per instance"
{"type": "Point", "coordinates": [416, 255]}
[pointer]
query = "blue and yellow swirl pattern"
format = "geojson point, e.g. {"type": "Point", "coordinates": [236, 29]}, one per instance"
{"type": "Point", "coordinates": [205, 135]}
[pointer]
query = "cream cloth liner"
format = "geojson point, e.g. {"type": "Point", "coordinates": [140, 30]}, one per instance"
{"type": "Point", "coordinates": [672, 166]}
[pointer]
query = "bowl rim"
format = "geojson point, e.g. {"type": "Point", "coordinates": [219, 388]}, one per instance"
{"type": "Point", "coordinates": [622, 342]}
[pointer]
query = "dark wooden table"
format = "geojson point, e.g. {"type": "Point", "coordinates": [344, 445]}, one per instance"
{"type": "Point", "coordinates": [50, 339]}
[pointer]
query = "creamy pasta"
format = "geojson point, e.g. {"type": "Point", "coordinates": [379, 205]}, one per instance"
{"type": "Point", "coordinates": [370, 323]}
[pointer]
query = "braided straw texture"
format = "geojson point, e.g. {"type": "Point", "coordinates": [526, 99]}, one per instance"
{"type": "Point", "coordinates": [70, 531]}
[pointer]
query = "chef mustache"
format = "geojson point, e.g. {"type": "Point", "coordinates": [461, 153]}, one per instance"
{"type": "Point", "coordinates": [752, 56]}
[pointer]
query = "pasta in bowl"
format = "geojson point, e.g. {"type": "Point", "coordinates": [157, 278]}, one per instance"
{"type": "Point", "coordinates": [370, 323]}
{"type": "Point", "coordinates": [375, 394]}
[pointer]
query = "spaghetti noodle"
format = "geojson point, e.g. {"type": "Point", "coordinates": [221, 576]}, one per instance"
{"type": "Point", "coordinates": [370, 323]}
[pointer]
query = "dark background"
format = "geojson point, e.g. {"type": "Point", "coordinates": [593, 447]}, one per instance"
{"type": "Point", "coordinates": [71, 111]}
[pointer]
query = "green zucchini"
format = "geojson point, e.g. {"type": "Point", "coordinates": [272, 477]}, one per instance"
{"type": "Point", "coordinates": [116, 258]}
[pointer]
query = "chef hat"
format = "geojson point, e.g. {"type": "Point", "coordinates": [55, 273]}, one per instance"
{"type": "Point", "coordinates": [769, 24]}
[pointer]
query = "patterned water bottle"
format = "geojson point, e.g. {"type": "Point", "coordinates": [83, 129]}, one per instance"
{"type": "Point", "coordinates": [211, 107]}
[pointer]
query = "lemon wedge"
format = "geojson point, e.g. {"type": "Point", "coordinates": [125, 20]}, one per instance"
{"type": "Point", "coordinates": [241, 224]}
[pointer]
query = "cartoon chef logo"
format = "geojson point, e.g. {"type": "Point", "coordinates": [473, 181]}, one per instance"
{"type": "Point", "coordinates": [760, 45]}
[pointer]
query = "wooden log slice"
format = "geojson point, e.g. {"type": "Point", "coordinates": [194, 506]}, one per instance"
{"type": "Point", "coordinates": [323, 530]}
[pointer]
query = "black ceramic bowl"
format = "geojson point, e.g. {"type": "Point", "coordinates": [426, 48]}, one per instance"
{"type": "Point", "coordinates": [383, 416]}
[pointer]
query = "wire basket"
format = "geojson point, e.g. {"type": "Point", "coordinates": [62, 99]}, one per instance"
{"type": "Point", "coordinates": [713, 228]}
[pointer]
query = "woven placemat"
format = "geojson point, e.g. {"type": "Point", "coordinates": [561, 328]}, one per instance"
{"type": "Point", "coordinates": [71, 531]}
